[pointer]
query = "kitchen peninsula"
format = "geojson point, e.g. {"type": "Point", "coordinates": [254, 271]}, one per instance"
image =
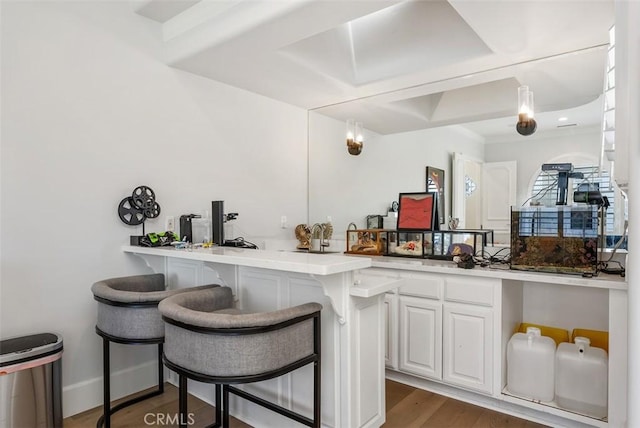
{"type": "Point", "coordinates": [432, 324]}
{"type": "Point", "coordinates": [353, 336]}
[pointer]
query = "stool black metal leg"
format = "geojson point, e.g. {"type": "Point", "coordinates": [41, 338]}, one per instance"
{"type": "Point", "coordinates": [316, 394]}
{"type": "Point", "coordinates": [225, 407]}
{"type": "Point", "coordinates": [160, 370]}
{"type": "Point", "coordinates": [216, 423]}
{"type": "Point", "coordinates": [105, 419]}
{"type": "Point", "coordinates": [106, 379]}
{"type": "Point", "coordinates": [218, 405]}
{"type": "Point", "coordinates": [182, 400]}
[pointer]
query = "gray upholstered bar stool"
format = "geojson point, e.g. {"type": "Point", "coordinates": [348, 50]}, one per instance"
{"type": "Point", "coordinates": [128, 314]}
{"type": "Point", "coordinates": [207, 340]}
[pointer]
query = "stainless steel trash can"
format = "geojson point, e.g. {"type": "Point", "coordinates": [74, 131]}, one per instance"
{"type": "Point", "coordinates": [31, 381]}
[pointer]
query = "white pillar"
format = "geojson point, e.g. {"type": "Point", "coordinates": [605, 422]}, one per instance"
{"type": "Point", "coordinates": [627, 132]}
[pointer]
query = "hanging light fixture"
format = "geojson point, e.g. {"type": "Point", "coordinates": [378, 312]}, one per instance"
{"type": "Point", "coordinates": [355, 139]}
{"type": "Point", "coordinates": [526, 123]}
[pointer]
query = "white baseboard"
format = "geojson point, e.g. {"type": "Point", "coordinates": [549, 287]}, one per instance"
{"type": "Point", "coordinates": [86, 395]}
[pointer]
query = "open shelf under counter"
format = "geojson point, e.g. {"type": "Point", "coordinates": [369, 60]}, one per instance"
{"type": "Point", "coordinates": [425, 303]}
{"type": "Point", "coordinates": [552, 408]}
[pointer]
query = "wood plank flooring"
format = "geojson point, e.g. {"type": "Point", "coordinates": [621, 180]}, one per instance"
{"type": "Point", "coordinates": [407, 407]}
{"type": "Point", "coordinates": [153, 412]}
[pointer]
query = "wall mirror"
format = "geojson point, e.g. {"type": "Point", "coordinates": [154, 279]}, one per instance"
{"type": "Point", "coordinates": [458, 112]}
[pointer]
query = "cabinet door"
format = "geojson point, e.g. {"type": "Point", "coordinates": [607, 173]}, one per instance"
{"type": "Point", "coordinates": [468, 346]}
{"type": "Point", "coordinates": [421, 336]}
{"type": "Point", "coordinates": [391, 331]}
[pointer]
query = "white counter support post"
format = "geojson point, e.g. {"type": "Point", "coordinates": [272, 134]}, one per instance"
{"type": "Point", "coordinates": [367, 361]}
{"type": "Point", "coordinates": [361, 343]}
{"type": "Point", "coordinates": [627, 119]}
{"type": "Point", "coordinates": [618, 361]}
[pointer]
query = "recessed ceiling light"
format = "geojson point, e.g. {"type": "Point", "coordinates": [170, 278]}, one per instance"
{"type": "Point", "coordinates": [563, 119]}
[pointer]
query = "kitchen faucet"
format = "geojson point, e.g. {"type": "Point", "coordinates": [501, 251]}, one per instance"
{"type": "Point", "coordinates": [318, 247]}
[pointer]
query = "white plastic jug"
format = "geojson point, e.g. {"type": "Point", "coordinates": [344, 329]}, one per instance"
{"type": "Point", "coordinates": [582, 378]}
{"type": "Point", "coordinates": [530, 365]}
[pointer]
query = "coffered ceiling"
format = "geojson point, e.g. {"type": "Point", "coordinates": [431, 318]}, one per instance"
{"type": "Point", "coordinates": [397, 65]}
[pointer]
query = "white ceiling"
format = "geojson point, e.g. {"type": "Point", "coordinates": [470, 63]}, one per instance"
{"type": "Point", "coordinates": [400, 65]}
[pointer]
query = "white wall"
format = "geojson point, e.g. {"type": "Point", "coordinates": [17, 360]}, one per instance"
{"type": "Point", "coordinates": [531, 152]}
{"type": "Point", "coordinates": [348, 188]}
{"type": "Point", "coordinates": [90, 111]}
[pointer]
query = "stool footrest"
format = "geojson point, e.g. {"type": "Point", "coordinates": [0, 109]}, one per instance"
{"type": "Point", "coordinates": [271, 406]}
{"type": "Point", "coordinates": [131, 402]}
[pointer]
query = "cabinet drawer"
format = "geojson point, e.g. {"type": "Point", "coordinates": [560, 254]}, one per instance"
{"type": "Point", "coordinates": [387, 273]}
{"type": "Point", "coordinates": [477, 291]}
{"type": "Point", "coordinates": [422, 285]}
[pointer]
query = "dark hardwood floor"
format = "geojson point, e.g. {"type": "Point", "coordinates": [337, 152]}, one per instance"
{"type": "Point", "coordinates": [407, 407]}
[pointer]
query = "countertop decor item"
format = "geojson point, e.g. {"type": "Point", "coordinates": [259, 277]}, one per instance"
{"type": "Point", "coordinates": [366, 241]}
{"type": "Point", "coordinates": [374, 221]}
{"type": "Point", "coordinates": [303, 235]}
{"type": "Point", "coordinates": [417, 211]}
{"type": "Point", "coordinates": [438, 244]}
{"type": "Point", "coordinates": [135, 209]}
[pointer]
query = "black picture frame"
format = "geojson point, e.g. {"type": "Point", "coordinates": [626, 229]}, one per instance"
{"type": "Point", "coordinates": [435, 184]}
{"type": "Point", "coordinates": [374, 221]}
{"type": "Point", "coordinates": [417, 211]}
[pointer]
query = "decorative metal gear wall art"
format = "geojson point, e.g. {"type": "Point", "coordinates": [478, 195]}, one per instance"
{"type": "Point", "coordinates": [139, 206]}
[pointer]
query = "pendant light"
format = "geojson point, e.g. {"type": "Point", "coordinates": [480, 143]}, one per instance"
{"type": "Point", "coordinates": [355, 139]}
{"type": "Point", "coordinates": [526, 123]}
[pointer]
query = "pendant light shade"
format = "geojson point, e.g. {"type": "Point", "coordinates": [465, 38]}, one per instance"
{"type": "Point", "coordinates": [526, 123]}
{"type": "Point", "coordinates": [355, 138]}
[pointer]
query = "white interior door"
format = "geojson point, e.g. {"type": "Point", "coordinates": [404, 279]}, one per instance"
{"type": "Point", "coordinates": [466, 194]}
{"type": "Point", "coordinates": [498, 195]}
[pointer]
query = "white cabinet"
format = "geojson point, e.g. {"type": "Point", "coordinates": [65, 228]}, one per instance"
{"type": "Point", "coordinates": [444, 329]}
{"type": "Point", "coordinates": [453, 328]}
{"type": "Point", "coordinates": [421, 336]}
{"type": "Point", "coordinates": [468, 346]}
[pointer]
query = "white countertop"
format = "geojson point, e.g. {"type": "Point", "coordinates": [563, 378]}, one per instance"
{"type": "Point", "coordinates": [316, 264]}
{"type": "Point", "coordinates": [499, 271]}
{"type": "Point", "coordinates": [328, 264]}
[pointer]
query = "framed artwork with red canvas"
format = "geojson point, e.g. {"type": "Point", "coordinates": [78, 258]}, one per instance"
{"type": "Point", "coordinates": [435, 184]}
{"type": "Point", "coordinates": [417, 211]}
